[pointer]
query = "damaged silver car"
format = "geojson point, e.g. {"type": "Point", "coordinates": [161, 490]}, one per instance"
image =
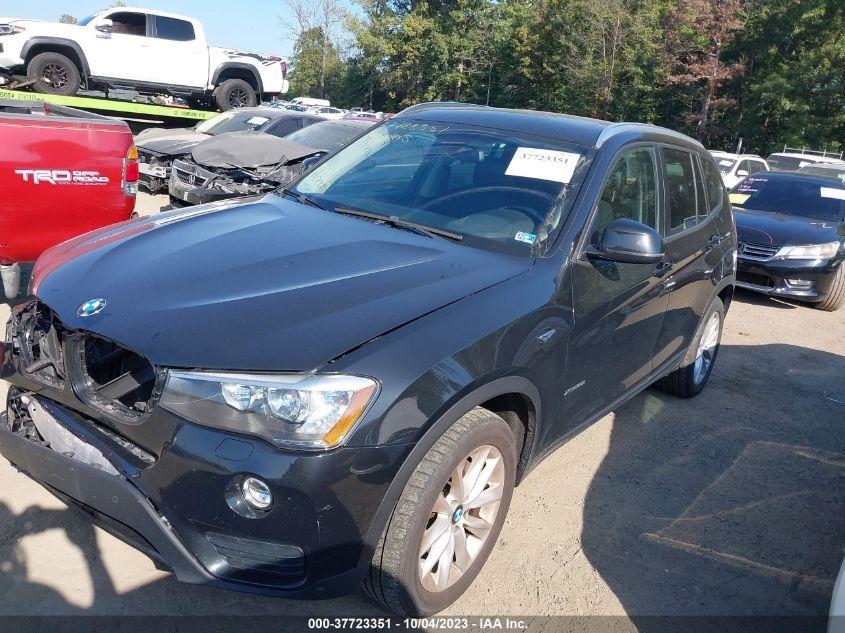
{"type": "Point", "coordinates": [243, 164]}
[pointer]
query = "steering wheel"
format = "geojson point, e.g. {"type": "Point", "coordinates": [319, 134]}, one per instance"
{"type": "Point", "coordinates": [543, 198]}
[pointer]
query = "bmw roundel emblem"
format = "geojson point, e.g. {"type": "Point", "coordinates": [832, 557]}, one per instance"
{"type": "Point", "coordinates": [91, 307]}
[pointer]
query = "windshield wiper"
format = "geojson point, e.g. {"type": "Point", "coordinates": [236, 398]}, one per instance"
{"type": "Point", "coordinates": [399, 223]}
{"type": "Point", "coordinates": [301, 199]}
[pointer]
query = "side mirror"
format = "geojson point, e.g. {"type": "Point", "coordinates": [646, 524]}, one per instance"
{"type": "Point", "coordinates": [742, 173]}
{"type": "Point", "coordinates": [309, 162]}
{"type": "Point", "coordinates": [628, 242]}
{"type": "Point", "coordinates": [104, 25]}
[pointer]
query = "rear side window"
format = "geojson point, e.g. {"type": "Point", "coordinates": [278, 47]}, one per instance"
{"type": "Point", "coordinates": [713, 184]}
{"type": "Point", "coordinates": [173, 29]}
{"type": "Point", "coordinates": [680, 189]}
{"type": "Point", "coordinates": [129, 23]}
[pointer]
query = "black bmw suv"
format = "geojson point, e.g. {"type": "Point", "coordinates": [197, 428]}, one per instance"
{"type": "Point", "coordinates": [342, 382]}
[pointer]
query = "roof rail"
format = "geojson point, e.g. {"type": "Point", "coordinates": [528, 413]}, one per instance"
{"type": "Point", "coordinates": [427, 105]}
{"type": "Point", "coordinates": [803, 150]}
{"type": "Point", "coordinates": [613, 129]}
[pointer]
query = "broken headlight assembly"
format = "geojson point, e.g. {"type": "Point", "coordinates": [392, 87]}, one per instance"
{"type": "Point", "coordinates": [307, 412]}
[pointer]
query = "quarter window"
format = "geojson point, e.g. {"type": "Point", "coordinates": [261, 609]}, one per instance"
{"type": "Point", "coordinates": [680, 189]}
{"type": "Point", "coordinates": [630, 191]}
{"type": "Point", "coordinates": [713, 183]}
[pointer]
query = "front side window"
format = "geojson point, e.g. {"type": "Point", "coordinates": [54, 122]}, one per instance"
{"type": "Point", "coordinates": [630, 191]}
{"type": "Point", "coordinates": [232, 121]}
{"type": "Point", "coordinates": [128, 23]}
{"type": "Point", "coordinates": [680, 189]}
{"type": "Point", "coordinates": [502, 190]}
{"type": "Point", "coordinates": [173, 29]}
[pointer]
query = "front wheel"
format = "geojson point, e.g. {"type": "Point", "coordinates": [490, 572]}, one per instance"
{"type": "Point", "coordinates": [235, 93]}
{"type": "Point", "coordinates": [55, 74]}
{"type": "Point", "coordinates": [690, 378]}
{"type": "Point", "coordinates": [836, 295]}
{"type": "Point", "coordinates": [447, 519]}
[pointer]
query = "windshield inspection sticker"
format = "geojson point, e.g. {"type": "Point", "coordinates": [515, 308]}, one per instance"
{"type": "Point", "coordinates": [725, 162]}
{"type": "Point", "coordinates": [739, 198]}
{"type": "Point", "coordinates": [830, 192]}
{"type": "Point", "coordinates": [528, 238]}
{"type": "Point", "coordinates": [257, 120]}
{"type": "Point", "coordinates": [543, 164]}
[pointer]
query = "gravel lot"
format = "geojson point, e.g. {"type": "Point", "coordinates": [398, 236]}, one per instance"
{"type": "Point", "coordinates": [728, 504]}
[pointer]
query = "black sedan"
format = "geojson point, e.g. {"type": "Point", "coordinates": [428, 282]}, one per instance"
{"type": "Point", "coordinates": [246, 163]}
{"type": "Point", "coordinates": [791, 231]}
{"type": "Point", "coordinates": [158, 147]}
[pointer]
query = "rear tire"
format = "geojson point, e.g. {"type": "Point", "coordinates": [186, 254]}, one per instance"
{"type": "Point", "coordinates": [836, 296]}
{"type": "Point", "coordinates": [460, 522]}
{"type": "Point", "coordinates": [56, 74]}
{"type": "Point", "coordinates": [235, 93]}
{"type": "Point", "coordinates": [690, 378]}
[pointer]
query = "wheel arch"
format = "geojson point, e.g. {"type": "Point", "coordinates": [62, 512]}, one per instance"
{"type": "Point", "coordinates": [70, 49]}
{"type": "Point", "coordinates": [238, 70]}
{"type": "Point", "coordinates": [515, 398]}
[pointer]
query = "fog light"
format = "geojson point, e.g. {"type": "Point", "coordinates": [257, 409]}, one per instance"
{"type": "Point", "coordinates": [256, 493]}
{"type": "Point", "coordinates": [799, 283]}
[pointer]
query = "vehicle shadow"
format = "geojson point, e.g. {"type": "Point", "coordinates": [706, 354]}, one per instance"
{"type": "Point", "coordinates": [758, 299]}
{"type": "Point", "coordinates": [731, 503]}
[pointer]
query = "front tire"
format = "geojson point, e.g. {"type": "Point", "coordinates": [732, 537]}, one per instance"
{"type": "Point", "coordinates": [235, 93]}
{"type": "Point", "coordinates": [690, 378]}
{"type": "Point", "coordinates": [447, 519]}
{"type": "Point", "coordinates": [836, 296]}
{"type": "Point", "coordinates": [55, 74]}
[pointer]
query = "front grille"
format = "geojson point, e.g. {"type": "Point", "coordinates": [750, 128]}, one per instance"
{"type": "Point", "coordinates": [259, 561]}
{"type": "Point", "coordinates": [105, 375]}
{"type": "Point", "coordinates": [36, 342]}
{"type": "Point", "coordinates": [112, 378]}
{"type": "Point", "coordinates": [760, 252]}
{"type": "Point", "coordinates": [188, 178]}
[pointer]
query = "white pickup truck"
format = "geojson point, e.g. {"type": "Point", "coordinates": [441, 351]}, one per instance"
{"type": "Point", "coordinates": [139, 49]}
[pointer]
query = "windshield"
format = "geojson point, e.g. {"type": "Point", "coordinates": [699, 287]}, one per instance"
{"type": "Point", "coordinates": [725, 164]}
{"type": "Point", "coordinates": [787, 163]}
{"type": "Point", "coordinates": [501, 190]}
{"type": "Point", "coordinates": [327, 136]}
{"type": "Point", "coordinates": [831, 173]}
{"type": "Point", "coordinates": [232, 122]}
{"type": "Point", "coordinates": [790, 195]}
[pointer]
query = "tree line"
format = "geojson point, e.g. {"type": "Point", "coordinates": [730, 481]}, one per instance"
{"type": "Point", "coordinates": [768, 72]}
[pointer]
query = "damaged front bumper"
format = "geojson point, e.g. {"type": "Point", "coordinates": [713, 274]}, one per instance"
{"type": "Point", "coordinates": [164, 484]}
{"type": "Point", "coordinates": [192, 184]}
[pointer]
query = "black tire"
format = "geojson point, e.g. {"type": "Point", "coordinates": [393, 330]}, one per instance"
{"type": "Point", "coordinates": [686, 381]}
{"type": "Point", "coordinates": [394, 577]}
{"type": "Point", "coordinates": [235, 93]}
{"type": "Point", "coordinates": [56, 74]}
{"type": "Point", "coordinates": [836, 295]}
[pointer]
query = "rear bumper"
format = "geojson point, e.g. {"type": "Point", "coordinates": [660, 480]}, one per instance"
{"type": "Point", "coordinates": [779, 277]}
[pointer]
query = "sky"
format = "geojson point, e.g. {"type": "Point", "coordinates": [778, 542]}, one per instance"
{"type": "Point", "coordinates": [247, 24]}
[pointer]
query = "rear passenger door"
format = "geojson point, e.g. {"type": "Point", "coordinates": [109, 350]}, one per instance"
{"type": "Point", "coordinates": [174, 56]}
{"type": "Point", "coordinates": [692, 240]}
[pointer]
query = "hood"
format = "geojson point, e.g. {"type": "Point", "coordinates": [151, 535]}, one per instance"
{"type": "Point", "coordinates": [266, 285]}
{"type": "Point", "coordinates": [779, 229]}
{"type": "Point", "coordinates": [169, 142]}
{"type": "Point", "coordinates": [248, 150]}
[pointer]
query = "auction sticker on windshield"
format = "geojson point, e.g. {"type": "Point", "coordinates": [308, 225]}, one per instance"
{"type": "Point", "coordinates": [830, 192]}
{"type": "Point", "coordinates": [543, 164]}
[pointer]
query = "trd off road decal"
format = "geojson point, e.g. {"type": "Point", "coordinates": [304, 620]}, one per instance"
{"type": "Point", "coordinates": [62, 177]}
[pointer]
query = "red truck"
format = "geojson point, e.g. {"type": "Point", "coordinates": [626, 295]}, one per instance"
{"type": "Point", "coordinates": [62, 172]}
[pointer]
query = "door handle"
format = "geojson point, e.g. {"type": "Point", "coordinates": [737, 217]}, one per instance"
{"type": "Point", "coordinates": [663, 267]}
{"type": "Point", "coordinates": [713, 242]}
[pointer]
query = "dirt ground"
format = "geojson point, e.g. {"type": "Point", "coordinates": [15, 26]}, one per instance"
{"type": "Point", "coordinates": [728, 504]}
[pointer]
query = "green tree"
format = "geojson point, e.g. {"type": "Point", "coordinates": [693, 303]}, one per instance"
{"type": "Point", "coordinates": [67, 18]}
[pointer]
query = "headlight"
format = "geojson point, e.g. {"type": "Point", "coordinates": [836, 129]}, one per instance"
{"type": "Point", "coordinates": [309, 412]}
{"type": "Point", "coordinates": [812, 251]}
{"type": "Point", "coordinates": [8, 29]}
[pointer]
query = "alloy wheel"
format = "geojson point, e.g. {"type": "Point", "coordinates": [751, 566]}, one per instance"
{"type": "Point", "coordinates": [707, 347]}
{"type": "Point", "coordinates": [55, 75]}
{"type": "Point", "coordinates": [462, 518]}
{"type": "Point", "coordinates": [238, 98]}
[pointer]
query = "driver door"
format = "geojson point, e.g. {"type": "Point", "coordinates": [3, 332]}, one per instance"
{"type": "Point", "coordinates": [123, 51]}
{"type": "Point", "coordinates": [619, 307]}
